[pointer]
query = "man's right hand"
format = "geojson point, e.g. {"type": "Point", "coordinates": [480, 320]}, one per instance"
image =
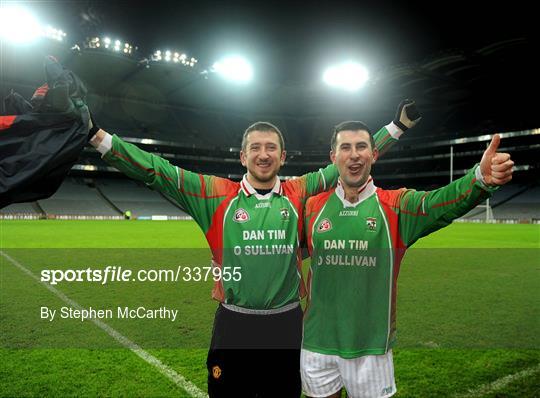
{"type": "Point", "coordinates": [407, 115]}
{"type": "Point", "coordinates": [95, 133]}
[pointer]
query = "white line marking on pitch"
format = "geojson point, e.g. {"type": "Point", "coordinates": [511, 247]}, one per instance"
{"type": "Point", "coordinates": [177, 378]}
{"type": "Point", "coordinates": [500, 383]}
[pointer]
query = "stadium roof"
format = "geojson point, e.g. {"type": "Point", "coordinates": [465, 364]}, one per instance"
{"type": "Point", "coordinates": [467, 68]}
{"type": "Point", "coordinates": [292, 42]}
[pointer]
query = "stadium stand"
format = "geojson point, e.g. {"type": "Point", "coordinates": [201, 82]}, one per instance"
{"type": "Point", "coordinates": [19, 208]}
{"type": "Point", "coordinates": [140, 200]}
{"type": "Point", "coordinates": [514, 202]}
{"type": "Point", "coordinates": [75, 197]}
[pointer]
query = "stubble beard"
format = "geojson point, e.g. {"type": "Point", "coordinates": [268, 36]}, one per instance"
{"type": "Point", "coordinates": [261, 178]}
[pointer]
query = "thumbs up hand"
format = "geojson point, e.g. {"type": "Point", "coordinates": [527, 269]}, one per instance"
{"type": "Point", "coordinates": [496, 168]}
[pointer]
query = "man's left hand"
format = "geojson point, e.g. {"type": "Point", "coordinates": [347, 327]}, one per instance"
{"type": "Point", "coordinates": [496, 167]}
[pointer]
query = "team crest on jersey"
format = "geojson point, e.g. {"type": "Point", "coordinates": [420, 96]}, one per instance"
{"type": "Point", "coordinates": [324, 225]}
{"type": "Point", "coordinates": [284, 214]}
{"type": "Point", "coordinates": [240, 215]}
{"type": "Point", "coordinates": [371, 223]}
{"type": "Point", "coordinates": [216, 372]}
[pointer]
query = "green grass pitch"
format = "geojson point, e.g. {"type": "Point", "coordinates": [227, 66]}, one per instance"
{"type": "Point", "coordinates": [468, 311]}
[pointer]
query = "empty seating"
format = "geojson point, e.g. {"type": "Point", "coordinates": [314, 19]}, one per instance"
{"type": "Point", "coordinates": [19, 208]}
{"type": "Point", "coordinates": [137, 198]}
{"type": "Point", "coordinates": [74, 197]}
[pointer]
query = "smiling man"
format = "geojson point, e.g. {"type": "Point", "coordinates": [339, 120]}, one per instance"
{"type": "Point", "coordinates": [253, 227]}
{"type": "Point", "coordinates": [262, 155]}
{"type": "Point", "coordinates": [357, 235]}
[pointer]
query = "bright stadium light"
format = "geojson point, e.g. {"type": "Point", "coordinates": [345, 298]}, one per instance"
{"type": "Point", "coordinates": [234, 68]}
{"type": "Point", "coordinates": [18, 25]}
{"type": "Point", "coordinates": [55, 34]}
{"type": "Point", "coordinates": [348, 76]}
{"type": "Point", "coordinates": [109, 44]}
{"type": "Point", "coordinates": [174, 56]}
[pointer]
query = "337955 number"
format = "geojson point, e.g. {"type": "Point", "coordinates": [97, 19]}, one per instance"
{"type": "Point", "coordinates": [197, 274]}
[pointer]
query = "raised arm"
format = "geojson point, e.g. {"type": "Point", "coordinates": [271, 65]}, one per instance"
{"type": "Point", "coordinates": [199, 195]}
{"type": "Point", "coordinates": [407, 116]}
{"type": "Point", "coordinates": [421, 213]}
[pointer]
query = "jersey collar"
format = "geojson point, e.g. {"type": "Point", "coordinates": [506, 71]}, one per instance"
{"type": "Point", "coordinates": [249, 190]}
{"type": "Point", "coordinates": [364, 192]}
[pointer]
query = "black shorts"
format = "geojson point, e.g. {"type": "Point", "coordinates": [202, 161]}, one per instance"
{"type": "Point", "coordinates": [255, 355]}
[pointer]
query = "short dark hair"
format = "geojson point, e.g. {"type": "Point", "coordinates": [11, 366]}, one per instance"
{"type": "Point", "coordinates": [264, 127]}
{"type": "Point", "coordinates": [353, 125]}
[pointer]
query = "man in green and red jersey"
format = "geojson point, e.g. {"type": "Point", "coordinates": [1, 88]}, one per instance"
{"type": "Point", "coordinates": [253, 227]}
{"type": "Point", "coordinates": [357, 235]}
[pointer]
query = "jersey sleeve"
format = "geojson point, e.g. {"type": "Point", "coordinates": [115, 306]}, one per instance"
{"type": "Point", "coordinates": [423, 212]}
{"type": "Point", "coordinates": [313, 183]}
{"type": "Point", "coordinates": [199, 195]}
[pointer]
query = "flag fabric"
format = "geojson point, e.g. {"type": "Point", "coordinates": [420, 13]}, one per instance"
{"type": "Point", "coordinates": [40, 140]}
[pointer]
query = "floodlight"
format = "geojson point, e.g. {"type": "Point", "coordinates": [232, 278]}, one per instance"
{"type": "Point", "coordinates": [55, 34]}
{"type": "Point", "coordinates": [156, 56]}
{"type": "Point", "coordinates": [116, 45]}
{"type": "Point", "coordinates": [348, 76]}
{"type": "Point", "coordinates": [174, 56]}
{"type": "Point", "coordinates": [18, 25]}
{"type": "Point", "coordinates": [94, 42]}
{"type": "Point", "coordinates": [234, 68]}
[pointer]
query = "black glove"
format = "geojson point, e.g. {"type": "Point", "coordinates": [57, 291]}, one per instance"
{"type": "Point", "coordinates": [94, 128]}
{"type": "Point", "coordinates": [407, 115]}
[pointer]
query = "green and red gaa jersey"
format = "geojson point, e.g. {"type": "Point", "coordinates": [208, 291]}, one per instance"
{"type": "Point", "coordinates": [356, 251]}
{"type": "Point", "coordinates": [257, 234]}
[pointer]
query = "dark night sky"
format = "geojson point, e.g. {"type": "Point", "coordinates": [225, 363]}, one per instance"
{"type": "Point", "coordinates": [294, 42]}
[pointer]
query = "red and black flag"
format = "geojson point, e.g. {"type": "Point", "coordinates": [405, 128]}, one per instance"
{"type": "Point", "coordinates": [40, 140]}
